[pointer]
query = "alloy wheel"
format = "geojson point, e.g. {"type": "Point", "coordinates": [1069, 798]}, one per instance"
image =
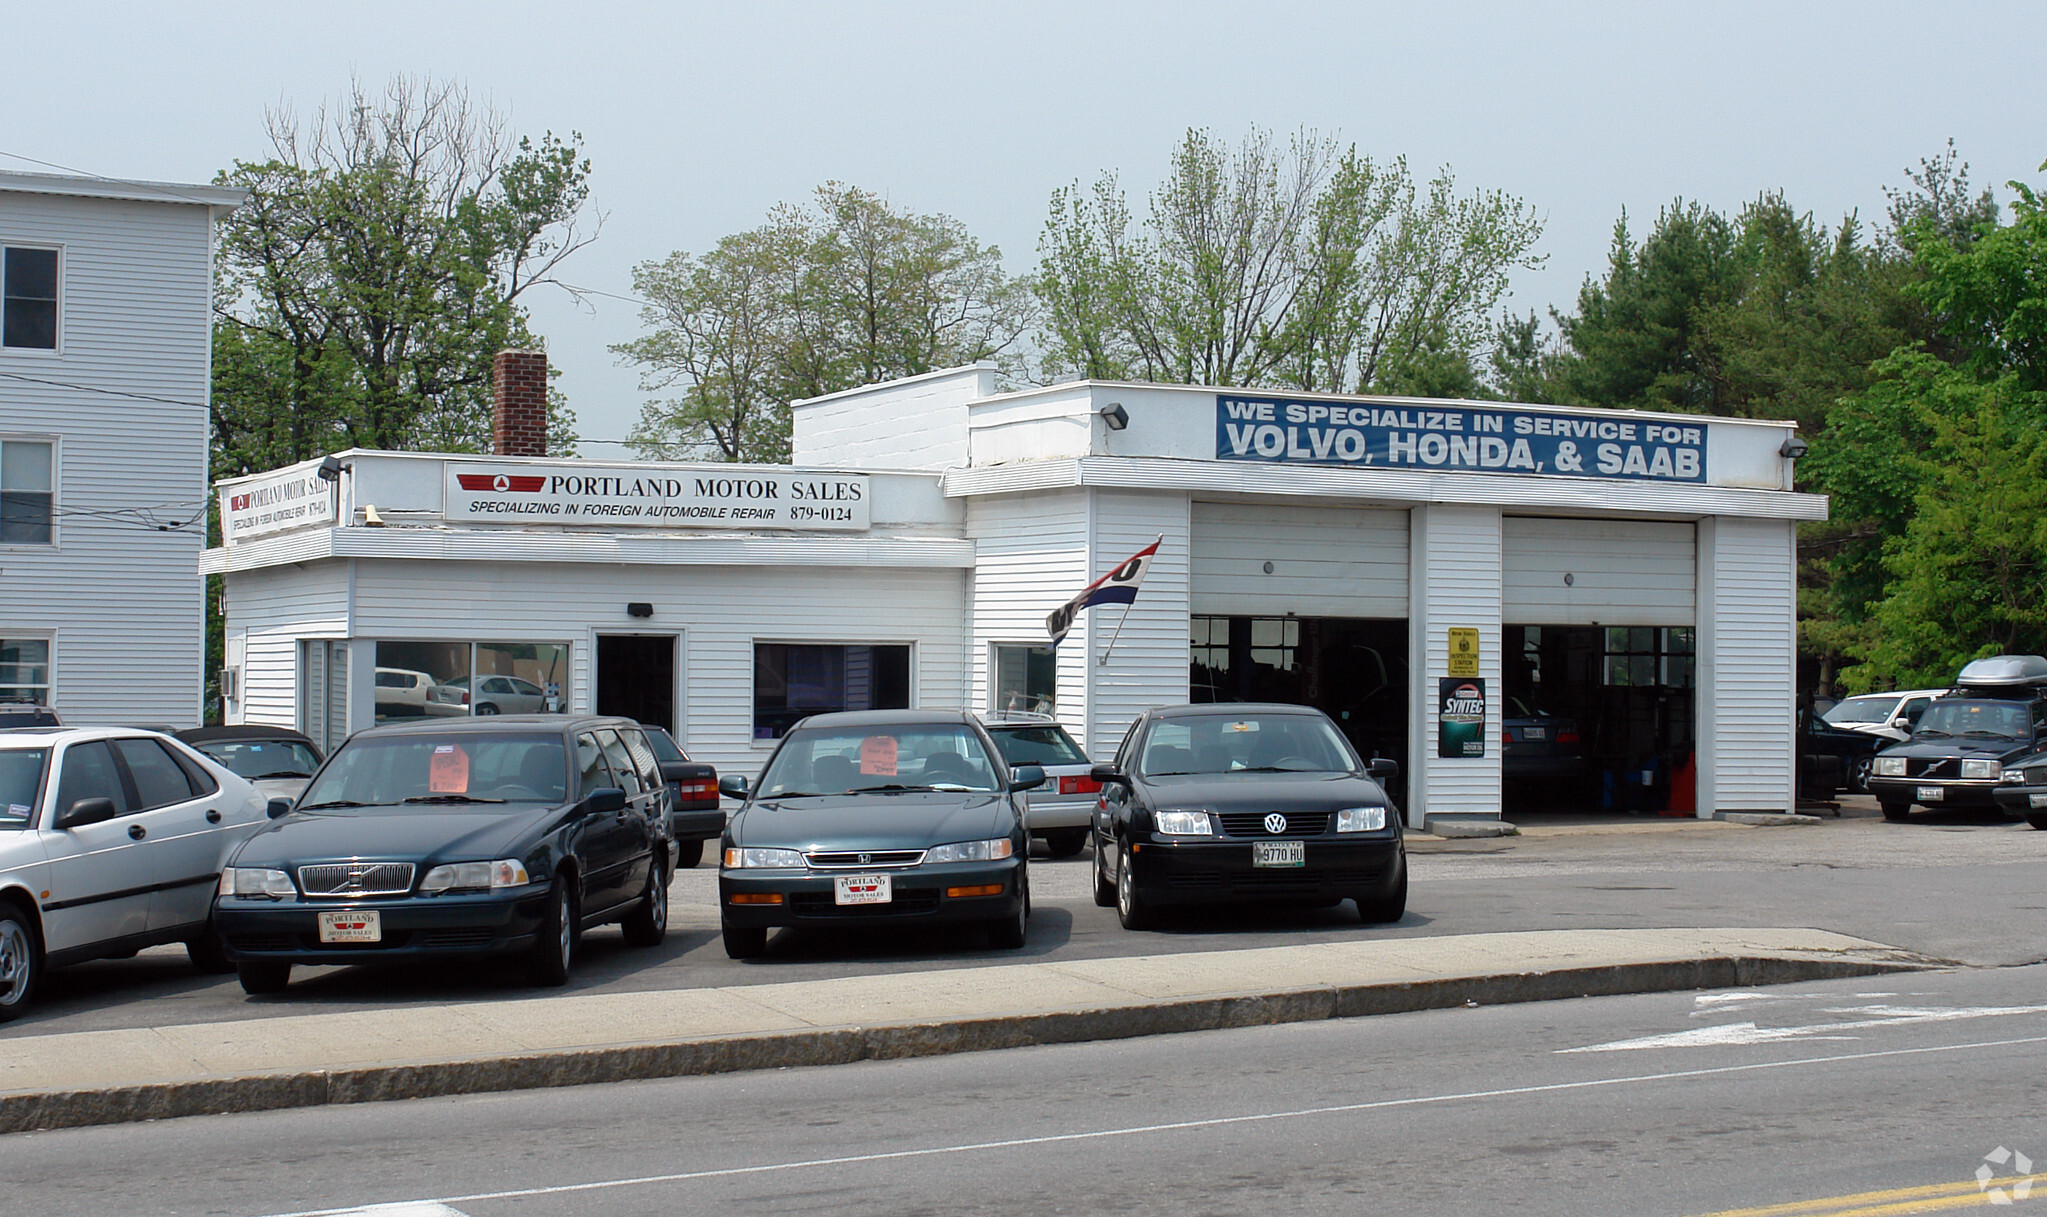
{"type": "Point", "coordinates": [17, 962]}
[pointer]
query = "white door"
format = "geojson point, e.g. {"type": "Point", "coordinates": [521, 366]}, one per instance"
{"type": "Point", "coordinates": [100, 878]}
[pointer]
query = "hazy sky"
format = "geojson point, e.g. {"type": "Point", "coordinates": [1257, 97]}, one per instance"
{"type": "Point", "coordinates": [700, 117]}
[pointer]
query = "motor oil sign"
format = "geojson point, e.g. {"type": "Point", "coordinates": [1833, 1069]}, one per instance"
{"type": "Point", "coordinates": [1460, 716]}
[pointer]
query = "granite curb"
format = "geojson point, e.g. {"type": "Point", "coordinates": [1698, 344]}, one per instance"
{"type": "Point", "coordinates": [23, 1112]}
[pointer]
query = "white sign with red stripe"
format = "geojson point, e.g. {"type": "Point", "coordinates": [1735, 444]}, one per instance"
{"type": "Point", "coordinates": [292, 497]}
{"type": "Point", "coordinates": [739, 498]}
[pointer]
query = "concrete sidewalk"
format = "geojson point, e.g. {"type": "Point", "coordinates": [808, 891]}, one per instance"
{"type": "Point", "coordinates": [103, 1077]}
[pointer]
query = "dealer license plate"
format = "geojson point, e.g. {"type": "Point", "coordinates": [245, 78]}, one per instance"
{"type": "Point", "coordinates": [1278, 853]}
{"type": "Point", "coordinates": [2037, 800]}
{"type": "Point", "coordinates": [1931, 794]}
{"type": "Point", "coordinates": [861, 889]}
{"type": "Point", "coordinates": [365, 926]}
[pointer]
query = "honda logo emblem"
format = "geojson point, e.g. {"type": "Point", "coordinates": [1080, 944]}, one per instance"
{"type": "Point", "coordinates": [866, 858]}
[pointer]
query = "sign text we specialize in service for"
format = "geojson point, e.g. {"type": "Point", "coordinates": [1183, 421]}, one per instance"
{"type": "Point", "coordinates": [1461, 438]}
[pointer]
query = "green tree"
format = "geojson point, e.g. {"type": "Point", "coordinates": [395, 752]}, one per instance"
{"type": "Point", "coordinates": [1307, 267]}
{"type": "Point", "coordinates": [376, 270]}
{"type": "Point", "coordinates": [846, 292]}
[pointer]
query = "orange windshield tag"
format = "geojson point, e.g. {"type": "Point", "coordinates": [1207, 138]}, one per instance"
{"type": "Point", "coordinates": [878, 756]}
{"type": "Point", "coordinates": [449, 771]}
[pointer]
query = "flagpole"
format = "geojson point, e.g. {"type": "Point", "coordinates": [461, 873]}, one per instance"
{"type": "Point", "coordinates": [1103, 662]}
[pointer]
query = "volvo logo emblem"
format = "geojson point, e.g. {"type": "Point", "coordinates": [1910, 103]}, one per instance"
{"type": "Point", "coordinates": [1275, 823]}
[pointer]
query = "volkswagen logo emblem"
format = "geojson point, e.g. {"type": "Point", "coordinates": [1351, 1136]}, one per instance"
{"type": "Point", "coordinates": [1275, 823]}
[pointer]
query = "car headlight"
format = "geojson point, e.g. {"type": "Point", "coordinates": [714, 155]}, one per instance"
{"type": "Point", "coordinates": [1981, 767]}
{"type": "Point", "coordinates": [474, 876]}
{"type": "Point", "coordinates": [1361, 819]}
{"type": "Point", "coordinates": [743, 859]}
{"type": "Point", "coordinates": [1890, 766]}
{"type": "Point", "coordinates": [1183, 823]}
{"type": "Point", "coordinates": [2013, 777]}
{"type": "Point", "coordinates": [993, 850]}
{"type": "Point", "coordinates": [257, 881]}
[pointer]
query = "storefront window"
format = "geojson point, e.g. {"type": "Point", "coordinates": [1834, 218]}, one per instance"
{"type": "Point", "coordinates": [792, 681]}
{"type": "Point", "coordinates": [25, 670]}
{"type": "Point", "coordinates": [1026, 680]}
{"type": "Point", "coordinates": [1649, 656]}
{"type": "Point", "coordinates": [457, 679]}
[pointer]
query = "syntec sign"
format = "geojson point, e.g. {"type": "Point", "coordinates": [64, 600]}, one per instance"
{"type": "Point", "coordinates": [736, 497]}
{"type": "Point", "coordinates": [278, 502]}
{"type": "Point", "coordinates": [1469, 439]}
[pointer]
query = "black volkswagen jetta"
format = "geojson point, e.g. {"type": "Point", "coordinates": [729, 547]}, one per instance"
{"type": "Point", "coordinates": [450, 836]}
{"type": "Point", "coordinates": [1221, 803]}
{"type": "Point", "coordinates": [883, 817]}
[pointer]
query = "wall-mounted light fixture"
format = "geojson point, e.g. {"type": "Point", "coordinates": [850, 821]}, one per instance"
{"type": "Point", "coordinates": [330, 469]}
{"type": "Point", "coordinates": [1114, 416]}
{"type": "Point", "coordinates": [1794, 448]}
{"type": "Point", "coordinates": [639, 608]}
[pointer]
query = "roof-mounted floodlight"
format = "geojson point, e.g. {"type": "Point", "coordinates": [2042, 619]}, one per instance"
{"type": "Point", "coordinates": [330, 469]}
{"type": "Point", "coordinates": [1794, 448]}
{"type": "Point", "coordinates": [1114, 416]}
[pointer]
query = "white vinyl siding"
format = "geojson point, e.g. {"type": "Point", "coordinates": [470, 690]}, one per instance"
{"type": "Point", "coordinates": [1148, 665]}
{"type": "Point", "coordinates": [1457, 584]}
{"type": "Point", "coordinates": [1622, 572]}
{"type": "Point", "coordinates": [1747, 631]}
{"type": "Point", "coordinates": [1030, 557]}
{"type": "Point", "coordinates": [1326, 561]}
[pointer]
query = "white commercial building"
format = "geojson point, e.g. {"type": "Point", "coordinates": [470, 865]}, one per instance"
{"type": "Point", "coordinates": [106, 313]}
{"type": "Point", "coordinates": [1437, 575]}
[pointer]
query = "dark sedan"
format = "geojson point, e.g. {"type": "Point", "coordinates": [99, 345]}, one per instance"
{"type": "Point", "coordinates": [1957, 755]}
{"type": "Point", "coordinates": [1221, 803]}
{"type": "Point", "coordinates": [886, 817]}
{"type": "Point", "coordinates": [456, 837]}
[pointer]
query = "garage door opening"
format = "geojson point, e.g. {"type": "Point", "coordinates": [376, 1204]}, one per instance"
{"type": "Point", "coordinates": [1352, 669]}
{"type": "Point", "coordinates": [1598, 718]}
{"type": "Point", "coordinates": [636, 678]}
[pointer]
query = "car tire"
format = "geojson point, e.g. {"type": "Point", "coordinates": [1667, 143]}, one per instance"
{"type": "Point", "coordinates": [2039, 822]}
{"type": "Point", "coordinates": [1007, 933]}
{"type": "Point", "coordinates": [647, 924]}
{"type": "Point", "coordinates": [1066, 842]}
{"type": "Point", "coordinates": [21, 961]}
{"type": "Point", "coordinates": [1131, 909]}
{"type": "Point", "coordinates": [1378, 910]}
{"type": "Point", "coordinates": [208, 953]}
{"type": "Point", "coordinates": [1858, 774]}
{"type": "Point", "coordinates": [745, 941]}
{"type": "Point", "coordinates": [486, 708]}
{"type": "Point", "coordinates": [688, 853]}
{"type": "Point", "coordinates": [1896, 813]}
{"type": "Point", "coordinates": [1105, 883]}
{"type": "Point", "coordinates": [259, 978]}
{"type": "Point", "coordinates": [554, 950]}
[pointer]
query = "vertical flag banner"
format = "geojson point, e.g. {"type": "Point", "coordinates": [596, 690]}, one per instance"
{"type": "Point", "coordinates": [1119, 586]}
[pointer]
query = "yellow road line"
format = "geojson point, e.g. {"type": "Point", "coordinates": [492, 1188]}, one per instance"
{"type": "Point", "coordinates": [1932, 1198]}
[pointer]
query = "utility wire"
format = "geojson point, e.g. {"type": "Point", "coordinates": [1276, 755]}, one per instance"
{"type": "Point", "coordinates": [153, 187]}
{"type": "Point", "coordinates": [65, 384]}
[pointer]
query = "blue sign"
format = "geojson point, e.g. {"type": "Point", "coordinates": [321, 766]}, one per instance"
{"type": "Point", "coordinates": [1460, 438]}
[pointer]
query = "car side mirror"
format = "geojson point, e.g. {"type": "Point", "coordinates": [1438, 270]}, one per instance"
{"type": "Point", "coordinates": [1901, 723]}
{"type": "Point", "coordinates": [280, 807]}
{"type": "Point", "coordinates": [606, 799]}
{"type": "Point", "coordinates": [1027, 777]}
{"type": "Point", "coordinates": [1383, 767]}
{"type": "Point", "coordinates": [733, 786]}
{"type": "Point", "coordinates": [86, 811]}
{"type": "Point", "coordinates": [1108, 774]}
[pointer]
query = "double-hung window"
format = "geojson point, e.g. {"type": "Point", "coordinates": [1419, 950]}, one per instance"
{"type": "Point", "coordinates": [28, 298]}
{"type": "Point", "coordinates": [28, 498]}
{"type": "Point", "coordinates": [25, 670]}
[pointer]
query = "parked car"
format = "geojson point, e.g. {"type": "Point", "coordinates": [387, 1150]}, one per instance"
{"type": "Point", "coordinates": [1832, 759]}
{"type": "Point", "coordinates": [696, 814]}
{"type": "Point", "coordinates": [1062, 809]}
{"type": "Point", "coordinates": [278, 761]}
{"type": "Point", "coordinates": [494, 695]}
{"type": "Point", "coordinates": [1959, 750]}
{"type": "Point", "coordinates": [16, 714]}
{"type": "Point", "coordinates": [1536, 744]}
{"type": "Point", "coordinates": [502, 836]}
{"type": "Point", "coordinates": [404, 693]}
{"type": "Point", "coordinates": [111, 840]}
{"type": "Point", "coordinates": [1217, 803]}
{"type": "Point", "coordinates": [1889, 716]}
{"type": "Point", "coordinates": [878, 817]}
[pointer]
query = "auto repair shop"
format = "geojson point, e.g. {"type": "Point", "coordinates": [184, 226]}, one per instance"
{"type": "Point", "coordinates": [1449, 580]}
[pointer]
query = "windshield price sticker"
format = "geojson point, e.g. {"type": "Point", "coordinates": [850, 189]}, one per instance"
{"type": "Point", "coordinates": [861, 889]}
{"type": "Point", "coordinates": [878, 756]}
{"type": "Point", "coordinates": [448, 772]}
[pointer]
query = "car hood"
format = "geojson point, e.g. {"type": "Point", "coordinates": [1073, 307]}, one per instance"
{"type": "Point", "coordinates": [280, 788]}
{"type": "Point", "coordinates": [413, 833]}
{"type": "Point", "coordinates": [1960, 746]}
{"type": "Point", "coordinates": [894, 821]}
{"type": "Point", "coordinates": [1265, 791]}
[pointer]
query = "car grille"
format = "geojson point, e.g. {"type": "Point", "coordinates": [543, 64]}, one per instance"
{"type": "Point", "coordinates": [1252, 824]}
{"type": "Point", "coordinates": [454, 938]}
{"type": "Point", "coordinates": [852, 860]}
{"type": "Point", "coordinates": [1933, 767]}
{"type": "Point", "coordinates": [346, 879]}
{"type": "Point", "coordinates": [263, 942]}
{"type": "Point", "coordinates": [2037, 776]}
{"type": "Point", "coordinates": [822, 904]}
{"type": "Point", "coordinates": [1276, 881]}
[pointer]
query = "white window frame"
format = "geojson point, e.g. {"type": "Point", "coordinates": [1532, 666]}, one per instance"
{"type": "Point", "coordinates": [49, 352]}
{"type": "Point", "coordinates": [49, 639]}
{"type": "Point", "coordinates": [995, 647]}
{"type": "Point", "coordinates": [56, 443]}
{"type": "Point", "coordinates": [753, 672]}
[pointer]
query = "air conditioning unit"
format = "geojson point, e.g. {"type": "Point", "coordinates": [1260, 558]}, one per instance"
{"type": "Point", "coordinates": [231, 683]}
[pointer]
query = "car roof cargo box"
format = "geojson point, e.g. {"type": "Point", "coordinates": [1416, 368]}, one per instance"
{"type": "Point", "coordinates": [2005, 674]}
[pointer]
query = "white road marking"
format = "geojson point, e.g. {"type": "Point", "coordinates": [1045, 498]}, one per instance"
{"type": "Point", "coordinates": [1749, 1033]}
{"type": "Point", "coordinates": [404, 1208]}
{"type": "Point", "coordinates": [1177, 1126]}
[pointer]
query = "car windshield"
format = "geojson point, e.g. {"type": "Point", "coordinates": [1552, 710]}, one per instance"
{"type": "Point", "coordinates": [21, 775]}
{"type": "Point", "coordinates": [1861, 710]}
{"type": "Point", "coordinates": [1253, 743]}
{"type": "Point", "coordinates": [1989, 719]}
{"type": "Point", "coordinates": [665, 750]}
{"type": "Point", "coordinates": [263, 758]}
{"type": "Point", "coordinates": [1035, 745]}
{"type": "Point", "coordinates": [435, 769]}
{"type": "Point", "coordinates": [892, 758]}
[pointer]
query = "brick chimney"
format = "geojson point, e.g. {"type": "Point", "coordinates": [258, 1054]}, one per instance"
{"type": "Point", "coordinates": [518, 408]}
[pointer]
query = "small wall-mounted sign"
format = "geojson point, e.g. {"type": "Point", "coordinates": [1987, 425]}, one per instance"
{"type": "Point", "coordinates": [1463, 651]}
{"type": "Point", "coordinates": [1460, 717]}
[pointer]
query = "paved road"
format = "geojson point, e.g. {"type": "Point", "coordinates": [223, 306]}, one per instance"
{"type": "Point", "coordinates": [1972, 889]}
{"type": "Point", "coordinates": [1671, 1104]}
